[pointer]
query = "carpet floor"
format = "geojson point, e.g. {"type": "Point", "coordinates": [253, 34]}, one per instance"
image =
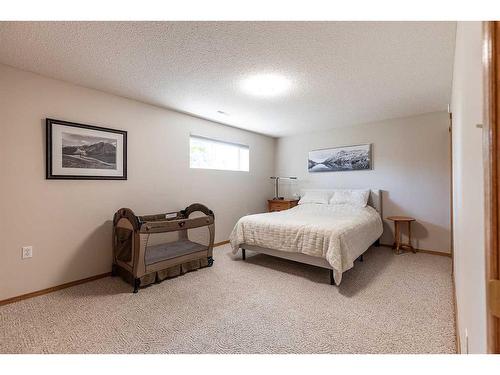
{"type": "Point", "coordinates": [386, 304]}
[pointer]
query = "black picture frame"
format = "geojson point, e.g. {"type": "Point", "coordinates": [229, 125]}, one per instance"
{"type": "Point", "coordinates": [49, 160]}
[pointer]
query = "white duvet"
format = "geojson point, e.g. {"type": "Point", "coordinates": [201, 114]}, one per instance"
{"type": "Point", "coordinates": [338, 233]}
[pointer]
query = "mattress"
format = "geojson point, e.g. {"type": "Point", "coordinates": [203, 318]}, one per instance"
{"type": "Point", "coordinates": [337, 233]}
{"type": "Point", "coordinates": [164, 251]}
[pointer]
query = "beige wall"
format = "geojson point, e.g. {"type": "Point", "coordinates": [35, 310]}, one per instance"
{"type": "Point", "coordinates": [68, 222]}
{"type": "Point", "coordinates": [411, 166]}
{"type": "Point", "coordinates": [468, 188]}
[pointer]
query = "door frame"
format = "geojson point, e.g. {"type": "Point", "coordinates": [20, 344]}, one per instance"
{"type": "Point", "coordinates": [450, 150]}
{"type": "Point", "coordinates": [491, 154]}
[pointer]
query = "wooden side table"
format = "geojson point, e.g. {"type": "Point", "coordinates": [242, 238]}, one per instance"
{"type": "Point", "coordinates": [398, 244]}
{"type": "Point", "coordinates": [281, 204]}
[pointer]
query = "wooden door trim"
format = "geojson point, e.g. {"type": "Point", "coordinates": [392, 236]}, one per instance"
{"type": "Point", "coordinates": [491, 63]}
{"type": "Point", "coordinates": [450, 150]}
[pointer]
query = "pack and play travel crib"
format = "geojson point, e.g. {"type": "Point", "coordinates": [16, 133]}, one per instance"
{"type": "Point", "coordinates": [151, 248]}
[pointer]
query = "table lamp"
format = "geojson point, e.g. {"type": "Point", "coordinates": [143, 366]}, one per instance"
{"type": "Point", "coordinates": [276, 185]}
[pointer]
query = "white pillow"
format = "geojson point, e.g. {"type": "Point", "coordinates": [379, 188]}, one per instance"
{"type": "Point", "coordinates": [320, 197]}
{"type": "Point", "coordinates": [358, 198]}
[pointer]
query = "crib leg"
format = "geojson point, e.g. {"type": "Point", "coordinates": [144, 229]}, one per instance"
{"type": "Point", "coordinates": [137, 284]}
{"type": "Point", "coordinates": [243, 254]}
{"type": "Point", "coordinates": [332, 280]}
{"type": "Point", "coordinates": [210, 261]}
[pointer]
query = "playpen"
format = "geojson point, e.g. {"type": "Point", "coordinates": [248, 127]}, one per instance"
{"type": "Point", "coordinates": [151, 248]}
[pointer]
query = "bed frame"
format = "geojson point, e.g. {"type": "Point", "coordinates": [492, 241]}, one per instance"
{"type": "Point", "coordinates": [375, 201]}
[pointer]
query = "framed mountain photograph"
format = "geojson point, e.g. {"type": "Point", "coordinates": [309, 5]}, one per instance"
{"type": "Point", "coordinates": [346, 158]}
{"type": "Point", "coordinates": [85, 152]}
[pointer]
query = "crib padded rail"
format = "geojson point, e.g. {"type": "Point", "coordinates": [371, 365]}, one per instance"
{"type": "Point", "coordinates": [175, 225]}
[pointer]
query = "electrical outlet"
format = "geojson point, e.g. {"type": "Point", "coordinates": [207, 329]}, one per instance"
{"type": "Point", "coordinates": [27, 252]}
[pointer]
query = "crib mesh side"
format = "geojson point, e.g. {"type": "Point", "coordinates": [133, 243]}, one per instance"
{"type": "Point", "coordinates": [169, 245]}
{"type": "Point", "coordinates": [124, 240]}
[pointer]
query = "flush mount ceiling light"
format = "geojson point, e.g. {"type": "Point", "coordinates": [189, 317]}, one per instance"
{"type": "Point", "coordinates": [268, 84]}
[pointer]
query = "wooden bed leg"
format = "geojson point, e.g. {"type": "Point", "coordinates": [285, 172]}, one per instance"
{"type": "Point", "coordinates": [377, 243]}
{"type": "Point", "coordinates": [137, 284]}
{"type": "Point", "coordinates": [332, 280]}
{"type": "Point", "coordinates": [243, 254]}
{"type": "Point", "coordinates": [360, 258]}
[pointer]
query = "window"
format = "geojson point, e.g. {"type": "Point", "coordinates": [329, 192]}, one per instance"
{"type": "Point", "coordinates": [209, 153]}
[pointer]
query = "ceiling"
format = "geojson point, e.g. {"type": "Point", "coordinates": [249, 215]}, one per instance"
{"type": "Point", "coordinates": [342, 73]}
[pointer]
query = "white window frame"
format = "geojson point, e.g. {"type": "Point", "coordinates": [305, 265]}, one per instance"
{"type": "Point", "coordinates": [213, 140]}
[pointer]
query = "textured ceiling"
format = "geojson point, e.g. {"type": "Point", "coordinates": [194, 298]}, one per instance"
{"type": "Point", "coordinates": [342, 73]}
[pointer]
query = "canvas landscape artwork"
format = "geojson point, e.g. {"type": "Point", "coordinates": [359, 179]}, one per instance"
{"type": "Point", "coordinates": [347, 158]}
{"type": "Point", "coordinates": [82, 151]}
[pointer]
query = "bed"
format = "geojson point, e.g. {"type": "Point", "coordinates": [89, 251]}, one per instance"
{"type": "Point", "coordinates": [330, 234]}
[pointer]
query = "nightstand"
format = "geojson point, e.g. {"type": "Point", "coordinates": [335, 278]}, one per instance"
{"type": "Point", "coordinates": [398, 245]}
{"type": "Point", "coordinates": [281, 204]}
